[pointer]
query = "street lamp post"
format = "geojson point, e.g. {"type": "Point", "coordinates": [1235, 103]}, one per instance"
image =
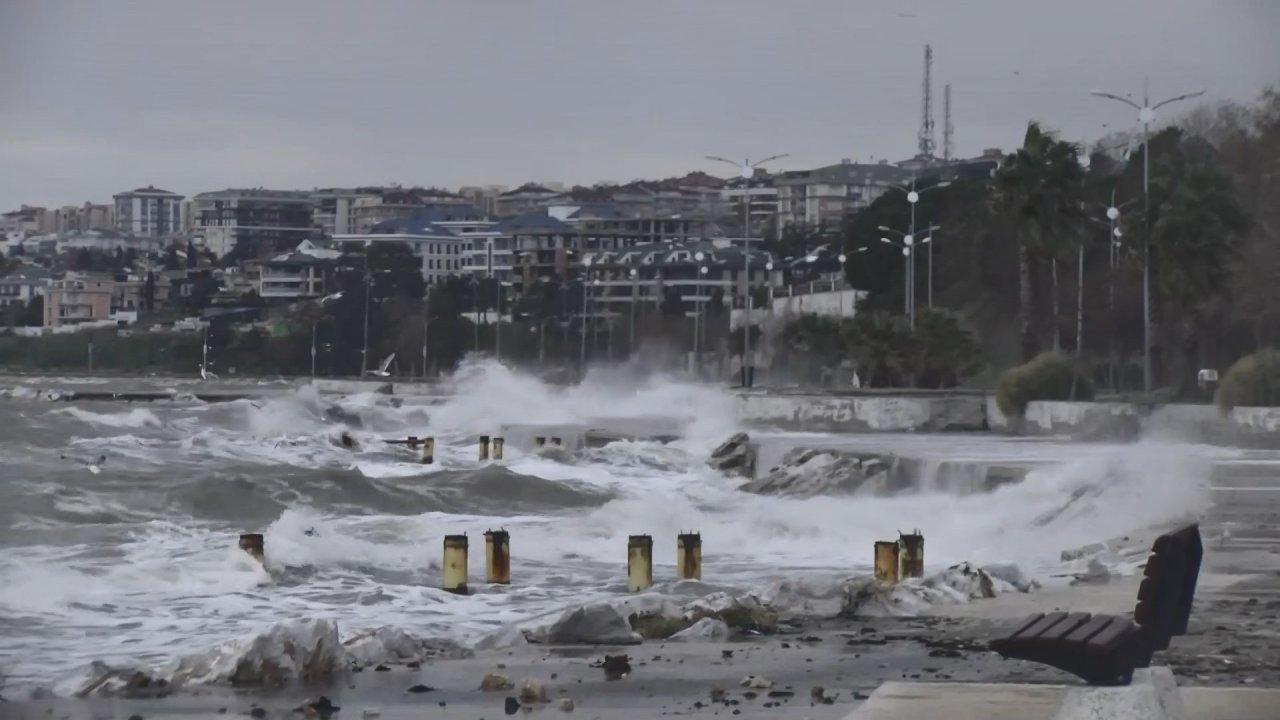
{"type": "Point", "coordinates": [314, 327]}
{"type": "Point", "coordinates": [1146, 116]}
{"type": "Point", "coordinates": [697, 312]}
{"type": "Point", "coordinates": [909, 243]}
{"type": "Point", "coordinates": [631, 336]}
{"type": "Point", "coordinates": [364, 351]}
{"type": "Point", "coordinates": [586, 275]}
{"type": "Point", "coordinates": [475, 314]}
{"type": "Point", "coordinates": [702, 315]}
{"type": "Point", "coordinates": [497, 313]}
{"type": "Point", "coordinates": [913, 197]}
{"type": "Point", "coordinates": [747, 170]}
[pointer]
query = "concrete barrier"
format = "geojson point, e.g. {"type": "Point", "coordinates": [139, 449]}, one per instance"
{"type": "Point", "coordinates": [859, 413]}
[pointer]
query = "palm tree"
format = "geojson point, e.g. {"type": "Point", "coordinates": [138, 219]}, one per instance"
{"type": "Point", "coordinates": [1038, 189]}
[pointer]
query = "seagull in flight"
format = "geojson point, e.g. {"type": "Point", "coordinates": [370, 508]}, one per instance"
{"type": "Point", "coordinates": [384, 370]}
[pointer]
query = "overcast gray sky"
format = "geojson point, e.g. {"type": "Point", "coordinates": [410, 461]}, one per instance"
{"type": "Point", "coordinates": [99, 97]}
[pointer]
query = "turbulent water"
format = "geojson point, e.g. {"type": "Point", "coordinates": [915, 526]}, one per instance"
{"type": "Point", "coordinates": [134, 559]}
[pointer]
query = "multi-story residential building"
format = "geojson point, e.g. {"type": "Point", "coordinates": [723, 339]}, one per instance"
{"type": "Point", "coordinates": [78, 298]}
{"type": "Point", "coordinates": [761, 198]}
{"type": "Point", "coordinates": [376, 205]}
{"type": "Point", "coordinates": [294, 276]}
{"type": "Point", "coordinates": [825, 196]}
{"type": "Point", "coordinates": [23, 284]}
{"type": "Point", "coordinates": [444, 236]}
{"type": "Point", "coordinates": [257, 221]}
{"type": "Point", "coordinates": [670, 272]}
{"type": "Point", "coordinates": [332, 214]}
{"type": "Point", "coordinates": [148, 211]}
{"type": "Point", "coordinates": [483, 197]}
{"type": "Point", "coordinates": [28, 220]}
{"type": "Point", "coordinates": [543, 247]}
{"type": "Point", "coordinates": [77, 218]}
{"type": "Point", "coordinates": [549, 244]}
{"type": "Point", "coordinates": [526, 198]}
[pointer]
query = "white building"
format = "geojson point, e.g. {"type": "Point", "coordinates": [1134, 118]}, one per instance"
{"type": "Point", "coordinates": [258, 219]}
{"type": "Point", "coordinates": [446, 238]}
{"type": "Point", "coordinates": [824, 197]}
{"type": "Point", "coordinates": [148, 212]}
{"type": "Point", "coordinates": [20, 286]}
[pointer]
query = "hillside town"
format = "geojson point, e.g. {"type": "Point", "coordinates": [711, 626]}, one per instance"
{"type": "Point", "coordinates": [150, 249]}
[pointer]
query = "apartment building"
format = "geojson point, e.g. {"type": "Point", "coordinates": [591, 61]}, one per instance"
{"type": "Point", "coordinates": [148, 212]}
{"type": "Point", "coordinates": [256, 220]}
{"type": "Point", "coordinates": [78, 298]}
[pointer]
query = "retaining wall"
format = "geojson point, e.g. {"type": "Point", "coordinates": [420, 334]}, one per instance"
{"type": "Point", "coordinates": [1081, 420]}
{"type": "Point", "coordinates": [891, 413]}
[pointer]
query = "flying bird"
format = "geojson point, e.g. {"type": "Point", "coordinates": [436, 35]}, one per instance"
{"type": "Point", "coordinates": [384, 370]}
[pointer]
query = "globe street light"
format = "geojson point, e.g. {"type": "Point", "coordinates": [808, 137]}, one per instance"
{"type": "Point", "coordinates": [746, 171]}
{"type": "Point", "coordinates": [768, 283]}
{"type": "Point", "coordinates": [913, 197]}
{"type": "Point", "coordinates": [1146, 116]}
{"type": "Point", "coordinates": [909, 243]}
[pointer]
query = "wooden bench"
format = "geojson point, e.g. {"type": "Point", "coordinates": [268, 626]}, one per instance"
{"type": "Point", "coordinates": [1105, 649]}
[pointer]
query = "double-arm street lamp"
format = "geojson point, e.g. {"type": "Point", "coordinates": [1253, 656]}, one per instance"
{"type": "Point", "coordinates": [913, 197]}
{"type": "Point", "coordinates": [1146, 116]}
{"type": "Point", "coordinates": [747, 170]}
{"type": "Point", "coordinates": [908, 246]}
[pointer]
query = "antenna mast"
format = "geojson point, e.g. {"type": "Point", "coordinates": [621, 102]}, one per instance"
{"type": "Point", "coordinates": [948, 129]}
{"type": "Point", "coordinates": [926, 120]}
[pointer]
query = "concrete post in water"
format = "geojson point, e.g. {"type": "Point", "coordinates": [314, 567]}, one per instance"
{"type": "Point", "coordinates": [911, 555]}
{"type": "Point", "coordinates": [887, 561]}
{"type": "Point", "coordinates": [497, 557]}
{"type": "Point", "coordinates": [428, 450]}
{"type": "Point", "coordinates": [484, 448]}
{"type": "Point", "coordinates": [689, 556]}
{"type": "Point", "coordinates": [497, 448]}
{"type": "Point", "coordinates": [253, 544]}
{"type": "Point", "coordinates": [639, 562]}
{"type": "Point", "coordinates": [455, 564]}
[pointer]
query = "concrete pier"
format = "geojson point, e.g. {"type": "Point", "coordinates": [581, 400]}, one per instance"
{"type": "Point", "coordinates": [639, 562]}
{"type": "Point", "coordinates": [454, 567]}
{"type": "Point", "coordinates": [497, 557]}
{"type": "Point", "coordinates": [689, 556]}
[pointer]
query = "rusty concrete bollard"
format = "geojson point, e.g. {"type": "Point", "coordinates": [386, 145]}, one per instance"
{"type": "Point", "coordinates": [497, 448]}
{"type": "Point", "coordinates": [639, 562]}
{"type": "Point", "coordinates": [539, 441]}
{"type": "Point", "coordinates": [484, 448]}
{"type": "Point", "coordinates": [497, 557]}
{"type": "Point", "coordinates": [253, 544]}
{"type": "Point", "coordinates": [428, 450]}
{"type": "Point", "coordinates": [455, 564]}
{"type": "Point", "coordinates": [887, 561]}
{"type": "Point", "coordinates": [911, 555]}
{"type": "Point", "coordinates": [689, 556]}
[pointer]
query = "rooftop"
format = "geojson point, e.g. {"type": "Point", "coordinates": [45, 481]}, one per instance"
{"type": "Point", "coordinates": [148, 190]}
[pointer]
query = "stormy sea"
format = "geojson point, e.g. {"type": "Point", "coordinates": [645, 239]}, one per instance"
{"type": "Point", "coordinates": [119, 521]}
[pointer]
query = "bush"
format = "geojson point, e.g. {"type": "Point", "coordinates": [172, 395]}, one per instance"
{"type": "Point", "coordinates": [1253, 381]}
{"type": "Point", "coordinates": [1047, 377]}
